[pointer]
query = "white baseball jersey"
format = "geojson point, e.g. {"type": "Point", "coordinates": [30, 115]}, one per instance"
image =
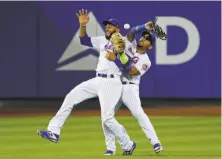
{"type": "Point", "coordinates": [140, 61]}
{"type": "Point", "coordinates": [104, 65]}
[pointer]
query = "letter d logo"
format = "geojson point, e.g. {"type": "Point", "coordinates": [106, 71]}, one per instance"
{"type": "Point", "coordinates": [193, 42]}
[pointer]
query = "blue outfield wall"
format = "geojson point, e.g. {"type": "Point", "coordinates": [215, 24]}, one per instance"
{"type": "Point", "coordinates": [40, 54]}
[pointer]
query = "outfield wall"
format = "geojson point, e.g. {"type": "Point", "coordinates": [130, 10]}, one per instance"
{"type": "Point", "coordinates": [40, 54]}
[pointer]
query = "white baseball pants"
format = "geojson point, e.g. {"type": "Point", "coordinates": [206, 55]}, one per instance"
{"type": "Point", "coordinates": [109, 92]}
{"type": "Point", "coordinates": [130, 97]}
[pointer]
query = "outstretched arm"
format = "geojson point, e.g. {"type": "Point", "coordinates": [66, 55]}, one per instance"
{"type": "Point", "coordinates": [137, 29]}
{"type": "Point", "coordinates": [83, 20]}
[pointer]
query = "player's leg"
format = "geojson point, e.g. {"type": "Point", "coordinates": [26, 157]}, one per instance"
{"type": "Point", "coordinates": [110, 140]}
{"type": "Point", "coordinates": [109, 136]}
{"type": "Point", "coordinates": [83, 91]}
{"type": "Point", "coordinates": [131, 99]}
{"type": "Point", "coordinates": [109, 95]}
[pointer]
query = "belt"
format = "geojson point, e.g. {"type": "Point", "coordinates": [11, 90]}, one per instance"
{"type": "Point", "coordinates": [124, 82]}
{"type": "Point", "coordinates": [105, 75]}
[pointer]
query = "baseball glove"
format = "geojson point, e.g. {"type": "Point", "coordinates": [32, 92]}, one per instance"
{"type": "Point", "coordinates": [158, 30]}
{"type": "Point", "coordinates": [118, 42]}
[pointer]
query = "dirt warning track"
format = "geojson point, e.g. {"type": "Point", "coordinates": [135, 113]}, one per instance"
{"type": "Point", "coordinates": [160, 111]}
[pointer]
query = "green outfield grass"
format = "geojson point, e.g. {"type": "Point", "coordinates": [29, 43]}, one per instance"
{"type": "Point", "coordinates": [82, 138]}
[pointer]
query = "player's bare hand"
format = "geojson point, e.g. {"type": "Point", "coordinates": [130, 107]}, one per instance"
{"type": "Point", "coordinates": [110, 55]}
{"type": "Point", "coordinates": [149, 26]}
{"type": "Point", "coordinates": [83, 17]}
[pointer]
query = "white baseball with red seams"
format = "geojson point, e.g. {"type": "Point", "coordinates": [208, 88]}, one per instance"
{"type": "Point", "coordinates": [126, 26]}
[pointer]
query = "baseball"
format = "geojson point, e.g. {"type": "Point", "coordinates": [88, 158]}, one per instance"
{"type": "Point", "coordinates": [126, 26]}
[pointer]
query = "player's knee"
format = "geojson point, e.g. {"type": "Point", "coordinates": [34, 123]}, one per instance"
{"type": "Point", "coordinates": [70, 99]}
{"type": "Point", "coordinates": [107, 116]}
{"type": "Point", "coordinates": [110, 123]}
{"type": "Point", "coordinates": [107, 121]}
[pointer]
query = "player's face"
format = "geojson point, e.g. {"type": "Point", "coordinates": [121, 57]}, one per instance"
{"type": "Point", "coordinates": [144, 43]}
{"type": "Point", "coordinates": [110, 29]}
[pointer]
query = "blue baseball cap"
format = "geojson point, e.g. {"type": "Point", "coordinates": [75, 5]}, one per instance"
{"type": "Point", "coordinates": [112, 21]}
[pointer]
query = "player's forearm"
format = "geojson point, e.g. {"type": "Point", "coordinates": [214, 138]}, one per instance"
{"type": "Point", "coordinates": [131, 70]}
{"type": "Point", "coordinates": [84, 38]}
{"type": "Point", "coordinates": [127, 68]}
{"type": "Point", "coordinates": [131, 35]}
{"type": "Point", "coordinates": [137, 29]}
{"type": "Point", "coordinates": [118, 63]}
{"type": "Point", "coordinates": [122, 61]}
{"type": "Point", "coordinates": [82, 31]}
{"type": "Point", "coordinates": [123, 58]}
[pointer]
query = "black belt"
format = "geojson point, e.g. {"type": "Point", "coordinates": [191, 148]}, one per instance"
{"type": "Point", "coordinates": [128, 82]}
{"type": "Point", "coordinates": [105, 75]}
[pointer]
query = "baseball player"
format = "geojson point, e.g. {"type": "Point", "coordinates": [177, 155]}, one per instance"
{"type": "Point", "coordinates": [107, 86]}
{"type": "Point", "coordinates": [140, 63]}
